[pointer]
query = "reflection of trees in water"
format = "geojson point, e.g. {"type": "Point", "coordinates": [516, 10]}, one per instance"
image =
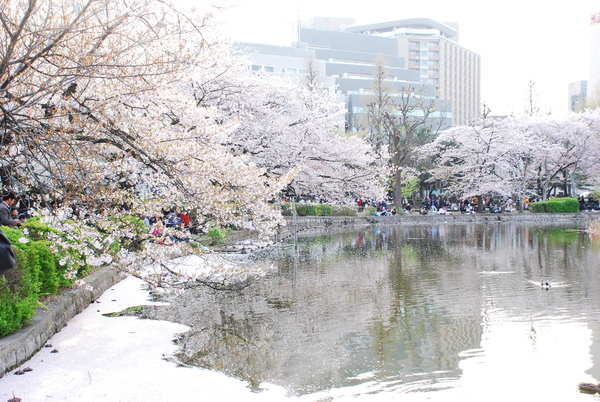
{"type": "Point", "coordinates": [392, 301]}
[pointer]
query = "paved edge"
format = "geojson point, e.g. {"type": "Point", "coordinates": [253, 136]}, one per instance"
{"type": "Point", "coordinates": [20, 346]}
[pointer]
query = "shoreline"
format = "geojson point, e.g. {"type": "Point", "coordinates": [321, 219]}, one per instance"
{"type": "Point", "coordinates": [124, 358]}
{"type": "Point", "coordinates": [19, 346]}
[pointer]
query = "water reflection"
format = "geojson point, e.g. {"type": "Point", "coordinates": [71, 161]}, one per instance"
{"type": "Point", "coordinates": [421, 311]}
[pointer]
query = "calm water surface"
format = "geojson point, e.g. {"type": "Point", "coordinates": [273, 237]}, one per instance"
{"type": "Point", "coordinates": [448, 312]}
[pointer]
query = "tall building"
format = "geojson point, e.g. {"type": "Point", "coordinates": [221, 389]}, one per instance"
{"type": "Point", "coordinates": [351, 59]}
{"type": "Point", "coordinates": [419, 53]}
{"type": "Point", "coordinates": [432, 50]}
{"type": "Point", "coordinates": [577, 96]}
{"type": "Point", "coordinates": [594, 66]}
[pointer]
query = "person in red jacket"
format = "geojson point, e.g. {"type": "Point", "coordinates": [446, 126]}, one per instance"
{"type": "Point", "coordinates": [185, 218]}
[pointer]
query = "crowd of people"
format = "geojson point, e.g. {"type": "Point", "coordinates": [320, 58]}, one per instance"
{"type": "Point", "coordinates": [381, 207]}
{"type": "Point", "coordinates": [435, 204]}
{"type": "Point", "coordinates": [589, 203]}
{"type": "Point", "coordinates": [166, 228]}
{"type": "Point", "coordinates": [468, 205]}
{"type": "Point", "coordinates": [14, 209]}
{"type": "Point", "coordinates": [169, 228]}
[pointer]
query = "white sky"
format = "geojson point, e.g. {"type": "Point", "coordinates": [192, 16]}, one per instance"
{"type": "Point", "coordinates": [546, 42]}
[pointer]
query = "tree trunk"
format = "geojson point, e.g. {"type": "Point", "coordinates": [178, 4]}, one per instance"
{"type": "Point", "coordinates": [398, 189]}
{"type": "Point", "coordinates": [480, 205]}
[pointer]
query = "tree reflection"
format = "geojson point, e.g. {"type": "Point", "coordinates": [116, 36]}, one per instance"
{"type": "Point", "coordinates": [381, 304]}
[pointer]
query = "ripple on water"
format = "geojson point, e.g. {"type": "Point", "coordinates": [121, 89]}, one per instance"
{"type": "Point", "coordinates": [415, 311]}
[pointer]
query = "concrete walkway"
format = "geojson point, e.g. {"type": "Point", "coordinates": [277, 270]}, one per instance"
{"type": "Point", "coordinates": [104, 358]}
{"type": "Point", "coordinates": [21, 345]}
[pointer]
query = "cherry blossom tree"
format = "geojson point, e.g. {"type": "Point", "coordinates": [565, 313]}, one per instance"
{"type": "Point", "coordinates": [466, 158]}
{"type": "Point", "coordinates": [517, 156]}
{"type": "Point", "coordinates": [283, 125]}
{"type": "Point", "coordinates": [557, 146]}
{"type": "Point", "coordinates": [99, 108]}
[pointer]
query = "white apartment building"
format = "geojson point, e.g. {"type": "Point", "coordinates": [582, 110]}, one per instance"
{"type": "Point", "coordinates": [594, 63]}
{"type": "Point", "coordinates": [432, 49]}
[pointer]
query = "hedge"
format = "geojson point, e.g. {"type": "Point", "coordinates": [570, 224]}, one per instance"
{"type": "Point", "coordinates": [49, 260]}
{"type": "Point", "coordinates": [555, 205]}
{"type": "Point", "coordinates": [305, 209]}
{"type": "Point", "coordinates": [37, 273]}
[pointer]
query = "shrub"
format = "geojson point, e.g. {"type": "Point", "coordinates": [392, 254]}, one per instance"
{"type": "Point", "coordinates": [216, 235]}
{"type": "Point", "coordinates": [17, 302]}
{"type": "Point", "coordinates": [305, 210]}
{"type": "Point", "coordinates": [370, 210]}
{"type": "Point", "coordinates": [555, 205]}
{"type": "Point", "coordinates": [343, 211]}
{"type": "Point", "coordinates": [41, 261]}
{"type": "Point", "coordinates": [20, 288]}
{"type": "Point", "coordinates": [323, 210]}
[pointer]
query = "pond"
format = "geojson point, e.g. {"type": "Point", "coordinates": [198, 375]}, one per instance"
{"type": "Point", "coordinates": [436, 312]}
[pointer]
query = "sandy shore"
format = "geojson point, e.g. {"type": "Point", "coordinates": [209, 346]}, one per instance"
{"type": "Point", "coordinates": [121, 359]}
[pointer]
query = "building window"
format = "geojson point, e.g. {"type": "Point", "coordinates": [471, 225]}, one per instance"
{"type": "Point", "coordinates": [291, 71]}
{"type": "Point", "coordinates": [414, 62]}
{"type": "Point", "coordinates": [434, 54]}
{"type": "Point", "coordinates": [269, 69]}
{"type": "Point", "coordinates": [413, 43]}
{"type": "Point", "coordinates": [256, 67]}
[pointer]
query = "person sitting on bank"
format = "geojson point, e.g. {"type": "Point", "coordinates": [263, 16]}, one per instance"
{"type": "Point", "coordinates": [6, 218]}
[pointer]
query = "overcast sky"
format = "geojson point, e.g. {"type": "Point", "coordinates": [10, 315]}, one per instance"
{"type": "Point", "coordinates": [519, 40]}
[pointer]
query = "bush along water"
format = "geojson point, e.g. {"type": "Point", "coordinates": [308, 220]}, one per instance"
{"type": "Point", "coordinates": [42, 269]}
{"type": "Point", "coordinates": [307, 209]}
{"type": "Point", "coordinates": [49, 259]}
{"type": "Point", "coordinates": [555, 205]}
{"type": "Point", "coordinates": [217, 235]}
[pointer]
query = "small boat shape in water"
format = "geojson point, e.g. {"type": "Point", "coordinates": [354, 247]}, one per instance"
{"type": "Point", "coordinates": [589, 388]}
{"type": "Point", "coordinates": [545, 285]}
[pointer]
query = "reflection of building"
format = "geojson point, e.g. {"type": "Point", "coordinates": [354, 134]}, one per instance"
{"type": "Point", "coordinates": [419, 53]}
{"type": "Point", "coordinates": [577, 95]}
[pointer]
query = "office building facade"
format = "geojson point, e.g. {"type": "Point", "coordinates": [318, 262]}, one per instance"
{"type": "Point", "coordinates": [432, 50]}
{"type": "Point", "coordinates": [351, 60]}
{"type": "Point", "coordinates": [577, 96]}
{"type": "Point", "coordinates": [420, 54]}
{"type": "Point", "coordinates": [594, 63]}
